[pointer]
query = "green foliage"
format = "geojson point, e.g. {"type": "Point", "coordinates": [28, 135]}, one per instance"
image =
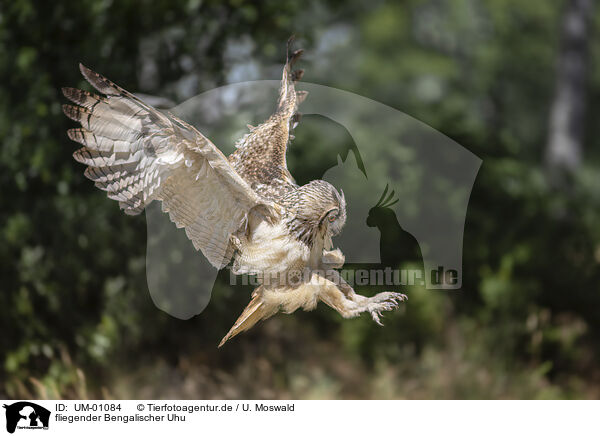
{"type": "Point", "coordinates": [76, 317]}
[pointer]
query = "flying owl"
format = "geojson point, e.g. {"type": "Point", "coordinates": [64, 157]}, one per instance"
{"type": "Point", "coordinates": [245, 210]}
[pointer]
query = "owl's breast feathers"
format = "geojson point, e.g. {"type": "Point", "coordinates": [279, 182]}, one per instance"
{"type": "Point", "coordinates": [296, 241]}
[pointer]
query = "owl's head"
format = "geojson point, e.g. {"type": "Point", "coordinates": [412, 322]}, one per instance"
{"type": "Point", "coordinates": [335, 217]}
{"type": "Point", "coordinates": [325, 206]}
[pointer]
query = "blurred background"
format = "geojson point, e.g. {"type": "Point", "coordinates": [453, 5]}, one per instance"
{"type": "Point", "coordinates": [517, 83]}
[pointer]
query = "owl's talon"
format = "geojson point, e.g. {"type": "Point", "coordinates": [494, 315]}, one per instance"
{"type": "Point", "coordinates": [385, 301]}
{"type": "Point", "coordinates": [333, 258]}
{"type": "Point", "coordinates": [375, 314]}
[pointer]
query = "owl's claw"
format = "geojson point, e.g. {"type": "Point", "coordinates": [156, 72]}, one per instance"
{"type": "Point", "coordinates": [333, 259]}
{"type": "Point", "coordinates": [384, 301]}
{"type": "Point", "coordinates": [375, 315]}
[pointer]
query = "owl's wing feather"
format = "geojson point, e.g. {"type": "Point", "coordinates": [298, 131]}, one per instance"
{"type": "Point", "coordinates": [137, 154]}
{"type": "Point", "coordinates": [260, 157]}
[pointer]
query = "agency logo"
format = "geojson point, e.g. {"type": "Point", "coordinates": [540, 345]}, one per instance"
{"type": "Point", "coordinates": [26, 415]}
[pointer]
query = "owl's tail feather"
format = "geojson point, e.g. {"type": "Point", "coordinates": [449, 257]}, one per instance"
{"type": "Point", "coordinates": [256, 310]}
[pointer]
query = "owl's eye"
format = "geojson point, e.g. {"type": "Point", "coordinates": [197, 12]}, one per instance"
{"type": "Point", "coordinates": [332, 217]}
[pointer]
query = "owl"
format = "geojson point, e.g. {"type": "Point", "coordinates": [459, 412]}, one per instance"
{"type": "Point", "coordinates": [244, 210]}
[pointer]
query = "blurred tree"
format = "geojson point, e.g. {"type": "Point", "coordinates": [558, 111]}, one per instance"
{"type": "Point", "coordinates": [564, 149]}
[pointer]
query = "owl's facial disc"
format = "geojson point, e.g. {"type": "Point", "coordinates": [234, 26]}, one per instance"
{"type": "Point", "coordinates": [333, 222]}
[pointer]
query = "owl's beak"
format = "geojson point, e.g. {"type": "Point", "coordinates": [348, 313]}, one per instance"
{"type": "Point", "coordinates": [328, 245]}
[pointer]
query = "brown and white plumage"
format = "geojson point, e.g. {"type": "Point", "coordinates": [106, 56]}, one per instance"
{"type": "Point", "coordinates": [246, 207]}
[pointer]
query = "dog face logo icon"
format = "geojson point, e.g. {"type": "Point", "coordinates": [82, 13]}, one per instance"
{"type": "Point", "coordinates": [26, 415]}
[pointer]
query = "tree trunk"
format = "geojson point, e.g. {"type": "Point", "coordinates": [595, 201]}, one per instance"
{"type": "Point", "coordinates": [564, 147]}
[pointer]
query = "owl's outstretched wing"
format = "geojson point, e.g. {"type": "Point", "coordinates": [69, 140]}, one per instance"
{"type": "Point", "coordinates": [138, 154]}
{"type": "Point", "coordinates": [260, 155]}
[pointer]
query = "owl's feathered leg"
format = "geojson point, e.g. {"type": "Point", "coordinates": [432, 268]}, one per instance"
{"type": "Point", "coordinates": [345, 300]}
{"type": "Point", "coordinates": [342, 297]}
{"type": "Point", "coordinates": [332, 290]}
